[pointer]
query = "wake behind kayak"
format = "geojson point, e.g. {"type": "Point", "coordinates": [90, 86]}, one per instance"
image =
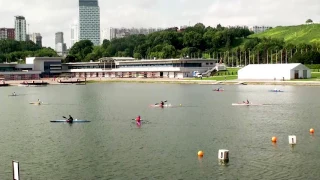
{"type": "Point", "coordinates": [74, 121]}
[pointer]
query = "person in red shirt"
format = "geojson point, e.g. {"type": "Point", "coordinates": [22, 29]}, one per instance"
{"type": "Point", "coordinates": [138, 119]}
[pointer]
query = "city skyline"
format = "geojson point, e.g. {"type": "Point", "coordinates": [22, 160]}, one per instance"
{"type": "Point", "coordinates": [156, 13]}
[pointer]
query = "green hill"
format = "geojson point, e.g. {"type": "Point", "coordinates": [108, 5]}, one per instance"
{"type": "Point", "coordinates": [293, 34]}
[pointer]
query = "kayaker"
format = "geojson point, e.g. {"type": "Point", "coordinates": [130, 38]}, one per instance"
{"type": "Point", "coordinates": [14, 94]}
{"type": "Point", "coordinates": [247, 101]}
{"type": "Point", "coordinates": [162, 103]}
{"type": "Point", "coordinates": [70, 119]}
{"type": "Point", "coordinates": [138, 119]}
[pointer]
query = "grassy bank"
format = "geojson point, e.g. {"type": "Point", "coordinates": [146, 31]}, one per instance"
{"type": "Point", "coordinates": [307, 33]}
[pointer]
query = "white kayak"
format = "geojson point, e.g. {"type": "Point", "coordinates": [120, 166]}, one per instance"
{"type": "Point", "coordinates": [35, 103]}
{"type": "Point", "coordinates": [74, 121]}
{"type": "Point", "coordinates": [158, 105]}
{"type": "Point", "coordinates": [245, 104]}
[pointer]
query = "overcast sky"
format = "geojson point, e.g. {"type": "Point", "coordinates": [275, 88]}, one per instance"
{"type": "Point", "coordinates": [50, 16]}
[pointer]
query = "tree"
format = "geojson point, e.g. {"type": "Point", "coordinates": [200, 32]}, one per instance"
{"type": "Point", "coordinates": [81, 49]}
{"type": "Point", "coordinates": [309, 21]}
{"type": "Point", "coordinates": [306, 58]}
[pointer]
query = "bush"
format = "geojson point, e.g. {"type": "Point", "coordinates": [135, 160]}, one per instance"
{"type": "Point", "coordinates": [313, 66]}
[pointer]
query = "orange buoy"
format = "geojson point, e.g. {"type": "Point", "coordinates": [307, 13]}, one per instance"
{"type": "Point", "coordinates": [274, 139]}
{"type": "Point", "coordinates": [200, 153]}
{"type": "Point", "coordinates": [311, 130]}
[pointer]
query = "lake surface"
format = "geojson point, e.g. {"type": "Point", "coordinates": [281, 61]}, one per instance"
{"type": "Point", "coordinates": [112, 146]}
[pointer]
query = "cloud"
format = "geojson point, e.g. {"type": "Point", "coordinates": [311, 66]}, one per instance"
{"type": "Point", "coordinates": [49, 17]}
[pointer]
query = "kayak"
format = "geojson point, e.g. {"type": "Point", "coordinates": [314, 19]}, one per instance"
{"type": "Point", "coordinates": [220, 90]}
{"type": "Point", "coordinates": [74, 121]}
{"type": "Point", "coordinates": [274, 90]}
{"type": "Point", "coordinates": [245, 104]}
{"type": "Point", "coordinates": [158, 105]}
{"type": "Point", "coordinates": [13, 95]}
{"type": "Point", "coordinates": [35, 103]}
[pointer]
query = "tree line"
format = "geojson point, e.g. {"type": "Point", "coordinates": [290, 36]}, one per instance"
{"type": "Point", "coordinates": [164, 44]}
{"type": "Point", "coordinates": [232, 45]}
{"type": "Point", "coordinates": [17, 51]}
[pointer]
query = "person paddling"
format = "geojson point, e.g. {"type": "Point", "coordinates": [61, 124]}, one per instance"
{"type": "Point", "coordinates": [70, 119]}
{"type": "Point", "coordinates": [162, 103]}
{"type": "Point", "coordinates": [138, 119]}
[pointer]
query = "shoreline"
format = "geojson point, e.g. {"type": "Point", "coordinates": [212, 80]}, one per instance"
{"type": "Point", "coordinates": [176, 81]}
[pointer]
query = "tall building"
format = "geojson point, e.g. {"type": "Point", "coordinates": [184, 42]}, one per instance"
{"type": "Point", "coordinates": [36, 38]}
{"type": "Point", "coordinates": [74, 34]}
{"type": "Point", "coordinates": [123, 32]}
{"type": "Point", "coordinates": [7, 33]}
{"type": "Point", "coordinates": [105, 34]}
{"type": "Point", "coordinates": [89, 21]}
{"type": "Point", "coordinates": [61, 47]}
{"type": "Point", "coordinates": [20, 28]}
{"type": "Point", "coordinates": [259, 29]}
{"type": "Point", "coordinates": [59, 38]}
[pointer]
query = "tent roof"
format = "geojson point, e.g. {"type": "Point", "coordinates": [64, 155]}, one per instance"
{"type": "Point", "coordinates": [273, 67]}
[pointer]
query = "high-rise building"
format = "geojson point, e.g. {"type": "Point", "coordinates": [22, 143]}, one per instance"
{"type": "Point", "coordinates": [59, 38]}
{"type": "Point", "coordinates": [61, 47]}
{"type": "Point", "coordinates": [123, 32]}
{"type": "Point", "coordinates": [36, 38]}
{"type": "Point", "coordinates": [105, 34]}
{"type": "Point", "coordinates": [74, 34]}
{"type": "Point", "coordinates": [7, 33]}
{"type": "Point", "coordinates": [20, 28]}
{"type": "Point", "coordinates": [89, 21]}
{"type": "Point", "coordinates": [259, 29]}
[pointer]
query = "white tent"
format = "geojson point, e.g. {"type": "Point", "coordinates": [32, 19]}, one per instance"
{"type": "Point", "coordinates": [274, 71]}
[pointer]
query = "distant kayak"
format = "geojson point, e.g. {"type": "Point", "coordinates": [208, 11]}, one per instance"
{"type": "Point", "coordinates": [74, 121]}
{"type": "Point", "coordinates": [158, 105]}
{"type": "Point", "coordinates": [35, 103]}
{"type": "Point", "coordinates": [275, 90]}
{"type": "Point", "coordinates": [245, 104]}
{"type": "Point", "coordinates": [218, 90]}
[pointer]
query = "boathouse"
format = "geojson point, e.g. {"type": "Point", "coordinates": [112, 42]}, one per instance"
{"type": "Point", "coordinates": [274, 72]}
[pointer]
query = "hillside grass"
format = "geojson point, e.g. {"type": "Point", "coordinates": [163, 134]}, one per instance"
{"type": "Point", "coordinates": [308, 33]}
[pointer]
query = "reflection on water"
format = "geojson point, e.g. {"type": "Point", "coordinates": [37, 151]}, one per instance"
{"type": "Point", "coordinates": [165, 144]}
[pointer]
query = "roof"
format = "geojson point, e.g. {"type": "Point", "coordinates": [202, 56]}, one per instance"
{"type": "Point", "coordinates": [273, 67]}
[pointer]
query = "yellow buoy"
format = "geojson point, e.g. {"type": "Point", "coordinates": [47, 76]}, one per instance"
{"type": "Point", "coordinates": [274, 139]}
{"type": "Point", "coordinates": [180, 104]}
{"type": "Point", "coordinates": [200, 153]}
{"type": "Point", "coordinates": [311, 130]}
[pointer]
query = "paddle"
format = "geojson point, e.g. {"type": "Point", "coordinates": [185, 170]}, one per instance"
{"type": "Point", "coordinates": [158, 103]}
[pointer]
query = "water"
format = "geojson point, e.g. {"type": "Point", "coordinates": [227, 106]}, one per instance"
{"type": "Point", "coordinates": [166, 146]}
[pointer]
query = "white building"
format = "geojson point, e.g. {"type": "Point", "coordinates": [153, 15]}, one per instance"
{"type": "Point", "coordinates": [124, 32]}
{"type": "Point", "coordinates": [20, 28]}
{"type": "Point", "coordinates": [105, 34]}
{"type": "Point", "coordinates": [274, 72]}
{"type": "Point", "coordinates": [259, 29]}
{"type": "Point", "coordinates": [46, 65]}
{"type": "Point", "coordinates": [74, 34]}
{"type": "Point", "coordinates": [89, 21]}
{"type": "Point", "coordinates": [36, 38]}
{"type": "Point", "coordinates": [61, 49]}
